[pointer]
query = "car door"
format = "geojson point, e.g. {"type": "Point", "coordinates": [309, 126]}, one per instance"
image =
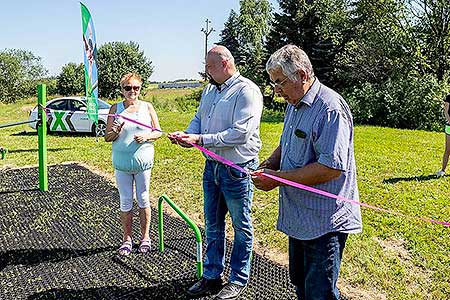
{"type": "Point", "coordinates": [78, 119]}
{"type": "Point", "coordinates": [56, 115]}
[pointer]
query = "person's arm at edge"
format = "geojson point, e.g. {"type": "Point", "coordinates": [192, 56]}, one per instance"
{"type": "Point", "coordinates": [447, 116]}
{"type": "Point", "coordinates": [155, 124]}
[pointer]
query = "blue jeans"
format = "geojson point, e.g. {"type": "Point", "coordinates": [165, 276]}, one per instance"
{"type": "Point", "coordinates": [227, 190]}
{"type": "Point", "coordinates": [314, 266]}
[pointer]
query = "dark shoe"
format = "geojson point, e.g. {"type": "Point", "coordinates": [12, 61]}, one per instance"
{"type": "Point", "coordinates": [205, 287]}
{"type": "Point", "coordinates": [230, 291]}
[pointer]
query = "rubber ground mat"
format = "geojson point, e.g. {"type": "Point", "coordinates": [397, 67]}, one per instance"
{"type": "Point", "coordinates": [62, 244]}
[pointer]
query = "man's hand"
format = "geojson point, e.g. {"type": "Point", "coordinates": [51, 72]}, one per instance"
{"type": "Point", "coordinates": [184, 139]}
{"type": "Point", "coordinates": [264, 183]}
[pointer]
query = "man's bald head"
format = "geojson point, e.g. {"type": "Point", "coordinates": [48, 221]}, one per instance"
{"type": "Point", "coordinates": [221, 53]}
{"type": "Point", "coordinates": [220, 64]}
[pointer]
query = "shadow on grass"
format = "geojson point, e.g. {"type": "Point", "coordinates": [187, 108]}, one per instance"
{"type": "Point", "coordinates": [36, 150]}
{"type": "Point", "coordinates": [32, 257]}
{"type": "Point", "coordinates": [56, 134]}
{"type": "Point", "coordinates": [413, 178]}
{"type": "Point", "coordinates": [174, 289]}
{"type": "Point", "coordinates": [25, 133]}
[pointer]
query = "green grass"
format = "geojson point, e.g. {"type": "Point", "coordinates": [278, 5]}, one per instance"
{"type": "Point", "coordinates": [394, 258]}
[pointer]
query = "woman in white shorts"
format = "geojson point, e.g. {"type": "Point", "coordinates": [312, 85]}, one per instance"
{"type": "Point", "coordinates": [132, 157]}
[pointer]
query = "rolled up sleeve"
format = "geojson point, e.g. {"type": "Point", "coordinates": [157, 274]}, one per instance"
{"type": "Point", "coordinates": [333, 140]}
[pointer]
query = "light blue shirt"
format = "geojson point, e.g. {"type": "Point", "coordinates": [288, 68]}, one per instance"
{"type": "Point", "coordinates": [127, 154]}
{"type": "Point", "coordinates": [319, 129]}
{"type": "Point", "coordinates": [228, 119]}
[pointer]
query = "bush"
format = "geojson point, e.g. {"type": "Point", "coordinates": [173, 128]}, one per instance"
{"type": "Point", "coordinates": [189, 102]}
{"type": "Point", "coordinates": [50, 83]}
{"type": "Point", "coordinates": [71, 80]}
{"type": "Point", "coordinates": [412, 102]}
{"type": "Point", "coordinates": [274, 116]}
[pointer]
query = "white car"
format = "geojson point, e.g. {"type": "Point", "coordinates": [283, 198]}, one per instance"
{"type": "Point", "coordinates": [69, 114]}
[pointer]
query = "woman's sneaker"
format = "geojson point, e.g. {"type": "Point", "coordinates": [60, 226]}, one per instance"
{"type": "Point", "coordinates": [440, 173]}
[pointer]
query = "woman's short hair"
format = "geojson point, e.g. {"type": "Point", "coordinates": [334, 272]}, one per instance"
{"type": "Point", "coordinates": [130, 76]}
{"type": "Point", "coordinates": [290, 59]}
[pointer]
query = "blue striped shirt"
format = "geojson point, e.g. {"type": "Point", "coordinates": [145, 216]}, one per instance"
{"type": "Point", "coordinates": [319, 129]}
{"type": "Point", "coordinates": [228, 119]}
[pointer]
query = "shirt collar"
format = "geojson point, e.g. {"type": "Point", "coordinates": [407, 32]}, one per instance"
{"type": "Point", "coordinates": [229, 81]}
{"type": "Point", "coordinates": [310, 95]}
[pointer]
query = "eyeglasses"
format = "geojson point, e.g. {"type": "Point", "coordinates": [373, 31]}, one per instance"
{"type": "Point", "coordinates": [279, 84]}
{"type": "Point", "coordinates": [129, 87]}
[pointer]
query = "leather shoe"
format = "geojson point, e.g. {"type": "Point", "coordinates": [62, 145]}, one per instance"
{"type": "Point", "coordinates": [205, 287]}
{"type": "Point", "coordinates": [230, 291]}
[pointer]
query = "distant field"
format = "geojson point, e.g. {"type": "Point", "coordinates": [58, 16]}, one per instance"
{"type": "Point", "coordinates": [395, 258]}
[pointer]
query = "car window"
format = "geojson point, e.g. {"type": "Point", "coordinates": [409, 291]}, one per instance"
{"type": "Point", "coordinates": [58, 105]}
{"type": "Point", "coordinates": [75, 105]}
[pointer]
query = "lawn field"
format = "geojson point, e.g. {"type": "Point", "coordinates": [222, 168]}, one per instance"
{"type": "Point", "coordinates": [396, 257]}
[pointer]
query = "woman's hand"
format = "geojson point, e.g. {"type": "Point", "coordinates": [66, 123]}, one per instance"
{"type": "Point", "coordinates": [140, 139]}
{"type": "Point", "coordinates": [117, 126]}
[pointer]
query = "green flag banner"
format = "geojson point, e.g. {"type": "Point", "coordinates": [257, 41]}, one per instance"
{"type": "Point", "coordinates": [90, 63]}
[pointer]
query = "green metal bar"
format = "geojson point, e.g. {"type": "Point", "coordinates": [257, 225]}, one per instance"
{"type": "Point", "coordinates": [16, 123]}
{"type": "Point", "coordinates": [194, 227]}
{"type": "Point", "coordinates": [42, 138]}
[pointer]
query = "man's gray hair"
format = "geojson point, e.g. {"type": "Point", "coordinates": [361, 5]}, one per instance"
{"type": "Point", "coordinates": [290, 59]}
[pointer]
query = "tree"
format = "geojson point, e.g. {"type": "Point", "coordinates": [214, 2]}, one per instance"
{"type": "Point", "coordinates": [383, 44]}
{"type": "Point", "coordinates": [245, 36]}
{"type": "Point", "coordinates": [229, 36]}
{"type": "Point", "coordinates": [434, 28]}
{"type": "Point", "coordinates": [254, 19]}
{"type": "Point", "coordinates": [115, 60]}
{"type": "Point", "coordinates": [391, 69]}
{"type": "Point", "coordinates": [320, 28]}
{"type": "Point", "coordinates": [71, 80]}
{"type": "Point", "coordinates": [20, 72]}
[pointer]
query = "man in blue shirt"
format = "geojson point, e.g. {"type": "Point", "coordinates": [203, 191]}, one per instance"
{"type": "Point", "coordinates": [316, 149]}
{"type": "Point", "coordinates": [227, 123]}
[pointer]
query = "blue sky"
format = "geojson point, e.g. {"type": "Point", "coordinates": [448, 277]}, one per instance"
{"type": "Point", "coordinates": [168, 31]}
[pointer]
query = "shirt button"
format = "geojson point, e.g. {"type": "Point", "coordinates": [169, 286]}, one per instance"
{"type": "Point", "coordinates": [206, 130]}
{"type": "Point", "coordinates": [295, 109]}
{"type": "Point", "coordinates": [290, 126]}
{"type": "Point", "coordinates": [286, 144]}
{"type": "Point", "coordinates": [209, 117]}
